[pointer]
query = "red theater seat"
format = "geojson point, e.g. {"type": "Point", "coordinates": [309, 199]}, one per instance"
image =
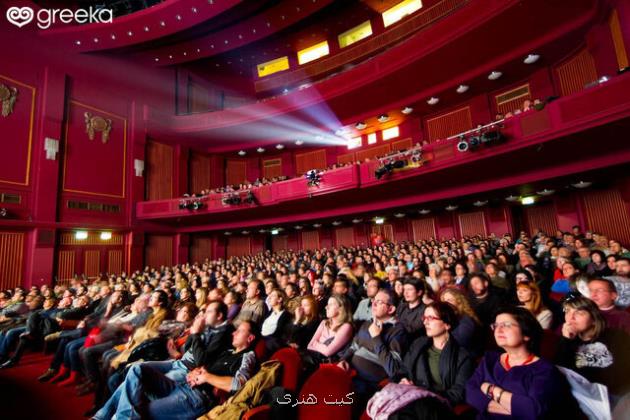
{"type": "Point", "coordinates": [329, 382]}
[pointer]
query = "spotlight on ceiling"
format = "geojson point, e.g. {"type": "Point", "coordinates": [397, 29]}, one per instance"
{"type": "Point", "coordinates": [512, 198]}
{"type": "Point", "coordinates": [526, 201]}
{"type": "Point", "coordinates": [545, 192]}
{"type": "Point", "coordinates": [494, 75]}
{"type": "Point", "coordinates": [379, 220]}
{"type": "Point", "coordinates": [260, 150]}
{"type": "Point", "coordinates": [383, 118]}
{"type": "Point", "coordinates": [531, 58]}
{"type": "Point", "coordinates": [480, 203]}
{"type": "Point", "coordinates": [433, 100]}
{"type": "Point", "coordinates": [462, 88]}
{"type": "Point", "coordinates": [407, 110]}
{"type": "Point", "coordinates": [360, 125]}
{"type": "Point", "coordinates": [279, 146]}
{"type": "Point", "coordinates": [451, 207]}
{"type": "Point", "coordinates": [299, 142]}
{"type": "Point", "coordinates": [242, 152]}
{"type": "Point", "coordinates": [424, 211]}
{"type": "Point", "coordinates": [582, 184]}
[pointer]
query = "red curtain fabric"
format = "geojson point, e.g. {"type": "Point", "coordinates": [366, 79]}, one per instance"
{"type": "Point", "coordinates": [158, 250]}
{"type": "Point", "coordinates": [310, 240]}
{"type": "Point", "coordinates": [542, 216]}
{"type": "Point", "coordinates": [344, 237]}
{"type": "Point", "coordinates": [200, 248]}
{"type": "Point", "coordinates": [237, 247]}
{"type": "Point", "coordinates": [235, 171]}
{"type": "Point", "coordinates": [423, 229]}
{"type": "Point", "coordinates": [606, 212]}
{"type": "Point", "coordinates": [373, 152]}
{"type": "Point", "coordinates": [279, 243]}
{"type": "Point", "coordinates": [471, 224]}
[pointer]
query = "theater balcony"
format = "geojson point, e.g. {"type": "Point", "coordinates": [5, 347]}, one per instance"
{"type": "Point", "coordinates": [563, 138]}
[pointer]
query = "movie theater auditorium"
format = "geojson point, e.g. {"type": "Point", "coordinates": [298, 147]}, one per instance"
{"type": "Point", "coordinates": [315, 209]}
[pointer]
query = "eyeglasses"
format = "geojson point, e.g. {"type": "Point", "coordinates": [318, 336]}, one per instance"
{"type": "Point", "coordinates": [380, 302]}
{"type": "Point", "coordinates": [426, 318]}
{"type": "Point", "coordinates": [503, 325]}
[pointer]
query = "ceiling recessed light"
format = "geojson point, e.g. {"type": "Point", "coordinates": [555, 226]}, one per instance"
{"type": "Point", "coordinates": [451, 207]}
{"type": "Point", "coordinates": [260, 150]}
{"type": "Point", "coordinates": [360, 125]}
{"type": "Point", "coordinates": [198, 50]}
{"type": "Point", "coordinates": [480, 203]}
{"type": "Point", "coordinates": [77, 42]}
{"type": "Point", "coordinates": [494, 75]}
{"type": "Point", "coordinates": [336, 223]}
{"type": "Point", "coordinates": [383, 118]}
{"type": "Point", "coordinates": [262, 231]}
{"type": "Point", "coordinates": [355, 221]}
{"type": "Point", "coordinates": [162, 23]}
{"type": "Point", "coordinates": [299, 142]}
{"type": "Point", "coordinates": [424, 211]}
{"type": "Point", "coordinates": [227, 233]}
{"type": "Point", "coordinates": [407, 110]}
{"type": "Point", "coordinates": [433, 100]}
{"type": "Point", "coordinates": [245, 232]}
{"type": "Point", "coordinates": [146, 29]}
{"type": "Point", "coordinates": [399, 215]}
{"type": "Point", "coordinates": [279, 146]}
{"type": "Point", "coordinates": [511, 198]}
{"type": "Point", "coordinates": [156, 59]}
{"type": "Point", "coordinates": [462, 88]}
{"type": "Point", "coordinates": [194, 10]}
{"type": "Point", "coordinates": [242, 152]}
{"type": "Point", "coordinates": [178, 17]}
{"type": "Point", "coordinates": [531, 58]}
{"type": "Point", "coordinates": [95, 40]}
{"type": "Point", "coordinates": [170, 56]}
{"type": "Point", "coordinates": [317, 225]}
{"type": "Point", "coordinates": [113, 36]}
{"type": "Point", "coordinates": [299, 227]}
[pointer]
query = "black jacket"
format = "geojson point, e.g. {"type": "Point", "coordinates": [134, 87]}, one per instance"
{"type": "Point", "coordinates": [456, 366]}
{"type": "Point", "coordinates": [206, 349]}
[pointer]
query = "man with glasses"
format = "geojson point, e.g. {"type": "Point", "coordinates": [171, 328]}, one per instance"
{"type": "Point", "coordinates": [376, 350]}
{"type": "Point", "coordinates": [604, 294]}
{"type": "Point", "coordinates": [621, 280]}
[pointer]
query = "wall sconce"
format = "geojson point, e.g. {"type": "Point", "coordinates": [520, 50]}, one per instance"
{"type": "Point", "coordinates": [138, 165]}
{"type": "Point", "coordinates": [52, 148]}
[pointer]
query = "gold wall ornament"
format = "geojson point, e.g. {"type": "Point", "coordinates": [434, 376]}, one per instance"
{"type": "Point", "coordinates": [8, 96]}
{"type": "Point", "coordinates": [94, 124]}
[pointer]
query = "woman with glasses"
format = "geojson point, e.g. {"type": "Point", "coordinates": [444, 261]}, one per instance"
{"type": "Point", "coordinates": [587, 346]}
{"type": "Point", "coordinates": [516, 382]}
{"type": "Point", "coordinates": [437, 363]}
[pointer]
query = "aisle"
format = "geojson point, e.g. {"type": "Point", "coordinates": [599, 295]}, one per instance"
{"type": "Point", "coordinates": [23, 397]}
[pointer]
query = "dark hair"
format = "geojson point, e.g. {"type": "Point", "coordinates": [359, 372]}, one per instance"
{"type": "Point", "coordinates": [446, 312]}
{"type": "Point", "coordinates": [261, 288]}
{"type": "Point", "coordinates": [393, 299]}
{"type": "Point", "coordinates": [163, 298]}
{"type": "Point", "coordinates": [526, 274]}
{"type": "Point", "coordinates": [193, 310]}
{"type": "Point", "coordinates": [626, 259]}
{"type": "Point", "coordinates": [601, 254]}
{"type": "Point", "coordinates": [253, 329]}
{"type": "Point", "coordinates": [221, 307]}
{"type": "Point", "coordinates": [343, 280]}
{"type": "Point", "coordinates": [419, 285]}
{"type": "Point", "coordinates": [529, 325]}
{"type": "Point", "coordinates": [483, 276]}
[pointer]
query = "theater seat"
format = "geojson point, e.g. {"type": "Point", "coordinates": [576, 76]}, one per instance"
{"type": "Point", "coordinates": [261, 351]}
{"type": "Point", "coordinates": [329, 383]}
{"type": "Point", "coordinates": [291, 370]}
{"type": "Point", "coordinates": [549, 345]}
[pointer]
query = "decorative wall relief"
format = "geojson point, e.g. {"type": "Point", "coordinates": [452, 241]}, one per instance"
{"type": "Point", "coordinates": [97, 124]}
{"type": "Point", "coordinates": [8, 96]}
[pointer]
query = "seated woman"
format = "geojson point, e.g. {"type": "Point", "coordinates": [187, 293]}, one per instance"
{"type": "Point", "coordinates": [598, 353]}
{"type": "Point", "coordinates": [571, 280]}
{"type": "Point", "coordinates": [305, 322]}
{"type": "Point", "coordinates": [333, 334]}
{"type": "Point", "coordinates": [529, 297]}
{"type": "Point", "coordinates": [436, 363]}
{"type": "Point", "coordinates": [275, 325]}
{"type": "Point", "coordinates": [517, 382]}
{"type": "Point", "coordinates": [467, 332]}
{"type": "Point", "coordinates": [598, 267]}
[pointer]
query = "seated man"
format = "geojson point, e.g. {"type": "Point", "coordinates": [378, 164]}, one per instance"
{"type": "Point", "coordinates": [189, 399]}
{"type": "Point", "coordinates": [409, 312]}
{"type": "Point", "coordinates": [604, 293]}
{"type": "Point", "coordinates": [376, 350]}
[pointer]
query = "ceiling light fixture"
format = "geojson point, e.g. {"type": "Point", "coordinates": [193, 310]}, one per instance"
{"type": "Point", "coordinates": [399, 215]}
{"type": "Point", "coordinates": [260, 150]}
{"type": "Point", "coordinates": [494, 75]}
{"type": "Point", "coordinates": [424, 211]}
{"type": "Point", "coordinates": [407, 110]}
{"type": "Point", "coordinates": [299, 142]}
{"type": "Point", "coordinates": [379, 220]}
{"type": "Point", "coordinates": [360, 125]}
{"type": "Point", "coordinates": [451, 207]}
{"type": "Point", "coordinates": [433, 100]}
{"type": "Point", "coordinates": [383, 118]}
{"type": "Point", "coordinates": [512, 198]}
{"type": "Point", "coordinates": [526, 201]}
{"type": "Point", "coordinates": [355, 221]}
{"type": "Point", "coordinates": [317, 225]}
{"type": "Point", "coordinates": [242, 152]}
{"type": "Point", "coordinates": [279, 146]}
{"type": "Point", "coordinates": [480, 203]}
{"type": "Point", "coordinates": [582, 184]}
{"type": "Point", "coordinates": [462, 88]}
{"type": "Point", "coordinates": [545, 192]}
{"type": "Point", "coordinates": [336, 223]}
{"type": "Point", "coordinates": [531, 58]}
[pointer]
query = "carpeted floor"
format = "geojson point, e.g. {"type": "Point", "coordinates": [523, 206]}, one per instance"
{"type": "Point", "coordinates": [23, 397]}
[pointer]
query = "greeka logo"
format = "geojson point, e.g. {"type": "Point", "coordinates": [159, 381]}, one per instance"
{"type": "Point", "coordinates": [21, 16]}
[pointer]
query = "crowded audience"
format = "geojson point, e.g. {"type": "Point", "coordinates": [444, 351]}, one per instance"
{"type": "Point", "coordinates": [464, 321]}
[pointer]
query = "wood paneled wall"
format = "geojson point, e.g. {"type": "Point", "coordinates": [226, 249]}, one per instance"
{"type": "Point", "coordinates": [238, 246]}
{"type": "Point", "coordinates": [159, 171]}
{"type": "Point", "coordinates": [449, 124]}
{"type": "Point", "coordinates": [200, 248]}
{"type": "Point", "coordinates": [576, 72]}
{"type": "Point", "coordinates": [200, 175]}
{"type": "Point", "coordinates": [158, 250]}
{"type": "Point", "coordinates": [235, 171]}
{"type": "Point", "coordinates": [472, 223]}
{"type": "Point", "coordinates": [311, 160]}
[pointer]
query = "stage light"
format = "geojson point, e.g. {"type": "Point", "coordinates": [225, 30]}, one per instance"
{"type": "Point", "coordinates": [526, 201]}
{"type": "Point", "coordinates": [81, 235]}
{"type": "Point", "coordinates": [462, 145]}
{"type": "Point", "coordinates": [106, 236]}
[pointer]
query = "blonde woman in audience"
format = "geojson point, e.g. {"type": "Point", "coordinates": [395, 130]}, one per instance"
{"type": "Point", "coordinates": [529, 296]}
{"type": "Point", "coordinates": [201, 298]}
{"type": "Point", "coordinates": [334, 333]}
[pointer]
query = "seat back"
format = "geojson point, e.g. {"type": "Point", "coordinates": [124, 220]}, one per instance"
{"type": "Point", "coordinates": [328, 384]}
{"type": "Point", "coordinates": [260, 350]}
{"type": "Point", "coordinates": [291, 367]}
